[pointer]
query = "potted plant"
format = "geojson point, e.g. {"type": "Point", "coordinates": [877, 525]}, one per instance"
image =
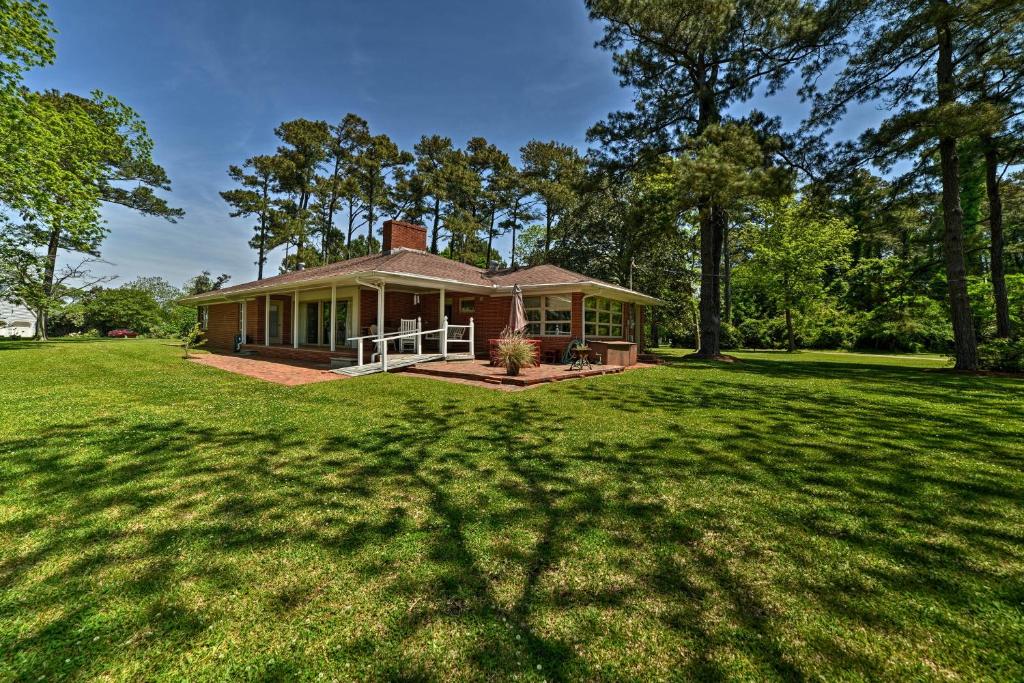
{"type": "Point", "coordinates": [514, 351]}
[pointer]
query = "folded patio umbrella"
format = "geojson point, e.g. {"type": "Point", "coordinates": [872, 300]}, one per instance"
{"type": "Point", "coordinates": [517, 316]}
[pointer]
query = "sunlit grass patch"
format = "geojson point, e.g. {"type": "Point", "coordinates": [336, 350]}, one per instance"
{"type": "Point", "coordinates": [788, 516]}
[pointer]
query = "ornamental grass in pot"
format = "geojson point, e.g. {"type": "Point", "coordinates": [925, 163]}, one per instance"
{"type": "Point", "coordinates": [514, 352]}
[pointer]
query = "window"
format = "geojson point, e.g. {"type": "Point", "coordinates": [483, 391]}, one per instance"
{"type": "Point", "coordinates": [602, 317]}
{"type": "Point", "coordinates": [549, 316]}
{"type": "Point", "coordinates": [467, 305]}
{"type": "Point", "coordinates": [204, 317]}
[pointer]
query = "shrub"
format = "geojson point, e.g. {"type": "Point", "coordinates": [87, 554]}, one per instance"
{"type": "Point", "coordinates": [763, 333]}
{"type": "Point", "coordinates": [1006, 355]}
{"type": "Point", "coordinates": [908, 323]}
{"type": "Point", "coordinates": [192, 338]}
{"type": "Point", "coordinates": [830, 328]}
{"type": "Point", "coordinates": [731, 337]}
{"type": "Point", "coordinates": [983, 305]}
{"type": "Point", "coordinates": [514, 351]}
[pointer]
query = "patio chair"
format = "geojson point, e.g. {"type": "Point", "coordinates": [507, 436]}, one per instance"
{"type": "Point", "coordinates": [407, 343]}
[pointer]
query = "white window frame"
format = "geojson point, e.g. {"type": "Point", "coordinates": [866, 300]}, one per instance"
{"type": "Point", "coordinates": [204, 317]}
{"type": "Point", "coordinates": [544, 323]}
{"type": "Point", "coordinates": [606, 322]}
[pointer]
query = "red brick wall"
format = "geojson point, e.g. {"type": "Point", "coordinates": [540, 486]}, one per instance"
{"type": "Point", "coordinates": [399, 234]}
{"type": "Point", "coordinates": [222, 326]}
{"type": "Point", "coordinates": [254, 321]}
{"type": "Point", "coordinates": [224, 323]}
{"type": "Point", "coordinates": [490, 317]}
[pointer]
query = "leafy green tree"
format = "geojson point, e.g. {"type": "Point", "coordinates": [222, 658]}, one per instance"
{"type": "Point", "coordinates": [516, 198]}
{"type": "Point", "coordinates": [204, 282]}
{"type": "Point", "coordinates": [690, 62]}
{"type": "Point", "coordinates": [255, 198]}
{"type": "Point", "coordinates": [296, 167]}
{"type": "Point", "coordinates": [434, 157]}
{"type": "Point", "coordinates": [124, 307]}
{"type": "Point", "coordinates": [192, 338]}
{"type": "Point", "coordinates": [350, 141]}
{"type": "Point", "coordinates": [488, 164]}
{"type": "Point", "coordinates": [993, 76]}
{"type": "Point", "coordinates": [791, 247]}
{"type": "Point", "coordinates": [552, 169]}
{"type": "Point", "coordinates": [94, 149]}
{"type": "Point", "coordinates": [26, 39]}
{"type": "Point", "coordinates": [374, 172]}
{"type": "Point", "coordinates": [28, 145]}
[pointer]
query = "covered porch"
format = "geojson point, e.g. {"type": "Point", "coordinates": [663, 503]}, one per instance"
{"type": "Point", "coordinates": [353, 323]}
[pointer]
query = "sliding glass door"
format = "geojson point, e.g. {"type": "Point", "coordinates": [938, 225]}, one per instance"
{"type": "Point", "coordinates": [318, 322]}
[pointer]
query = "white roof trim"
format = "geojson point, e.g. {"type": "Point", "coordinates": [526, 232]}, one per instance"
{"type": "Point", "coordinates": [409, 278]}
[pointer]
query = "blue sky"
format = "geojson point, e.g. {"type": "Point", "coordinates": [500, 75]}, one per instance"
{"type": "Point", "coordinates": [213, 79]}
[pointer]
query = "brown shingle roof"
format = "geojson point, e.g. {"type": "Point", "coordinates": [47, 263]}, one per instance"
{"type": "Point", "coordinates": [417, 263]}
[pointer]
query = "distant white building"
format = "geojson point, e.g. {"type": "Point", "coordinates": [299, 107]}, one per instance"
{"type": "Point", "coordinates": [16, 320]}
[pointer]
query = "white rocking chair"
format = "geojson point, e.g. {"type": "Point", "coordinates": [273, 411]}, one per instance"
{"type": "Point", "coordinates": [407, 343]}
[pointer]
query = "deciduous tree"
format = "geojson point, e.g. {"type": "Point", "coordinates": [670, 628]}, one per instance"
{"type": "Point", "coordinates": [791, 245]}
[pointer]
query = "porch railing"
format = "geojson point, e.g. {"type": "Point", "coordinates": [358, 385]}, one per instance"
{"type": "Point", "coordinates": [381, 341]}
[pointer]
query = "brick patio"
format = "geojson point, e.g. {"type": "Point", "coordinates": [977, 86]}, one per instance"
{"type": "Point", "coordinates": [471, 372]}
{"type": "Point", "coordinates": [481, 373]}
{"type": "Point", "coordinates": [280, 371]}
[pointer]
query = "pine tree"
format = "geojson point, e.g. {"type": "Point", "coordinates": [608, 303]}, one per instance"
{"type": "Point", "coordinates": [255, 198]}
{"type": "Point", "coordinates": [690, 61]}
{"type": "Point", "coordinates": [551, 168]}
{"type": "Point", "coordinates": [910, 53]}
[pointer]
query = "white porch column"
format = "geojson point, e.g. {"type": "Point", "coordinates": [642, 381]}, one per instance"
{"type": "Point", "coordinates": [295, 319]}
{"type": "Point", "coordinates": [440, 306]}
{"type": "Point", "coordinates": [380, 318]}
{"type": "Point", "coordinates": [334, 312]}
{"type": "Point", "coordinates": [242, 319]}
{"type": "Point", "coordinates": [266, 321]}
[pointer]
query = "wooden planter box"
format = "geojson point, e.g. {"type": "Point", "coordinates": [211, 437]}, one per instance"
{"type": "Point", "coordinates": [614, 352]}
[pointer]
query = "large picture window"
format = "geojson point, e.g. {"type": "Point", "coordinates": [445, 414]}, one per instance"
{"type": "Point", "coordinates": [549, 316]}
{"type": "Point", "coordinates": [602, 317]}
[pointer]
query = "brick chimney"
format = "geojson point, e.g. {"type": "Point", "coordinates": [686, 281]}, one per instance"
{"type": "Point", "coordinates": [402, 235]}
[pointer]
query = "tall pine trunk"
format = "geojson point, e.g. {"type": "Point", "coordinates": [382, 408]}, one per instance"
{"type": "Point", "coordinates": [435, 228]}
{"type": "Point", "coordinates": [370, 199]}
{"type": "Point", "coordinates": [995, 221]}
{"type": "Point", "coordinates": [490, 240]}
{"type": "Point", "coordinates": [712, 223]}
{"type": "Point", "coordinates": [953, 215]}
{"type": "Point", "coordinates": [727, 274]}
{"type": "Point", "coordinates": [790, 336]}
{"type": "Point", "coordinates": [547, 231]}
{"type": "Point", "coordinates": [712, 235]}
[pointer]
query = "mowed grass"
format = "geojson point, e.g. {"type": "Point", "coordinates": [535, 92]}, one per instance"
{"type": "Point", "coordinates": [828, 516]}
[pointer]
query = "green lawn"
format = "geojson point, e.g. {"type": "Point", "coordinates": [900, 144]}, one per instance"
{"type": "Point", "coordinates": [806, 516]}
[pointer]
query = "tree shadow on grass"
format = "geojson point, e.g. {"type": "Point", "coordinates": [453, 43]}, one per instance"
{"type": "Point", "coordinates": [516, 538]}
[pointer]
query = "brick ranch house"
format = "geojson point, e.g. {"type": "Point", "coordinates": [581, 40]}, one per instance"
{"type": "Point", "coordinates": [320, 314]}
